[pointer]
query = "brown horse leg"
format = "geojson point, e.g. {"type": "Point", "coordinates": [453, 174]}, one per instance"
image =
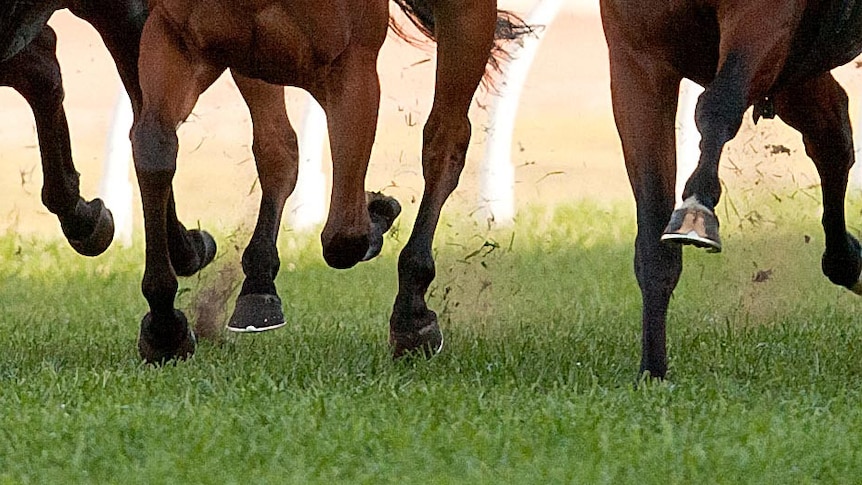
{"type": "Point", "coordinates": [644, 95]}
{"type": "Point", "coordinates": [120, 25]}
{"type": "Point", "coordinates": [171, 81]}
{"type": "Point", "coordinates": [749, 64]}
{"type": "Point", "coordinates": [35, 74]}
{"type": "Point", "coordinates": [818, 109]}
{"type": "Point", "coordinates": [464, 34]}
{"type": "Point", "coordinates": [351, 101]}
{"type": "Point", "coordinates": [276, 154]}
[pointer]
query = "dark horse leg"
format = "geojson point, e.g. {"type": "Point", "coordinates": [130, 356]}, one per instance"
{"type": "Point", "coordinates": [818, 109]}
{"type": "Point", "coordinates": [35, 74]}
{"type": "Point", "coordinates": [276, 155]}
{"type": "Point", "coordinates": [119, 23]}
{"type": "Point", "coordinates": [644, 96]}
{"type": "Point", "coordinates": [465, 34]}
{"type": "Point", "coordinates": [168, 98]}
{"type": "Point", "coordinates": [749, 64]}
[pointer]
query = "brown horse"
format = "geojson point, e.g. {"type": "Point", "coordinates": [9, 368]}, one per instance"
{"type": "Point", "coordinates": [774, 55]}
{"type": "Point", "coordinates": [28, 64]}
{"type": "Point", "coordinates": [329, 49]}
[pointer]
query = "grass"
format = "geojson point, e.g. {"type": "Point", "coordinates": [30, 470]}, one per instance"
{"type": "Point", "coordinates": [536, 383]}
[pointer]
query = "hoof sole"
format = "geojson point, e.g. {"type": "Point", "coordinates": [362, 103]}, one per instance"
{"type": "Point", "coordinates": [256, 313]}
{"type": "Point", "coordinates": [693, 224]}
{"type": "Point", "coordinates": [101, 237]}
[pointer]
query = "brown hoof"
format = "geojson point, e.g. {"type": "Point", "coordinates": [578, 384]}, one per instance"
{"type": "Point", "coordinates": [427, 341]}
{"type": "Point", "coordinates": [103, 233]}
{"type": "Point", "coordinates": [256, 313]}
{"type": "Point", "coordinates": [694, 224]}
{"type": "Point", "coordinates": [163, 342]}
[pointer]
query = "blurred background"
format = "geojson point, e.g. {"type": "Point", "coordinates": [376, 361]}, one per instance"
{"type": "Point", "coordinates": [564, 146]}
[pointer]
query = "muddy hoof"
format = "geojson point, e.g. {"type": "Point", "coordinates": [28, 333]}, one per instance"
{"type": "Point", "coordinates": [383, 211]}
{"type": "Point", "coordinates": [694, 224]}
{"type": "Point", "coordinates": [256, 313]}
{"type": "Point", "coordinates": [426, 341]}
{"type": "Point", "coordinates": [103, 232]}
{"type": "Point", "coordinates": [205, 250]}
{"type": "Point", "coordinates": [159, 344]}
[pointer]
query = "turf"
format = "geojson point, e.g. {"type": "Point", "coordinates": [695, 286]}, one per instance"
{"type": "Point", "coordinates": [537, 382]}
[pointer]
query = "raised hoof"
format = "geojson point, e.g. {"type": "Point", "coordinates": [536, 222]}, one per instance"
{"type": "Point", "coordinates": [205, 250]}
{"type": "Point", "coordinates": [256, 313]}
{"type": "Point", "coordinates": [103, 232]}
{"type": "Point", "coordinates": [174, 342]}
{"type": "Point", "coordinates": [383, 210]}
{"type": "Point", "coordinates": [845, 269]}
{"type": "Point", "coordinates": [694, 224]}
{"type": "Point", "coordinates": [426, 342]}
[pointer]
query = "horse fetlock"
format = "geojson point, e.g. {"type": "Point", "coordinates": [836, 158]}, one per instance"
{"type": "Point", "coordinates": [165, 339]}
{"type": "Point", "coordinates": [695, 224]}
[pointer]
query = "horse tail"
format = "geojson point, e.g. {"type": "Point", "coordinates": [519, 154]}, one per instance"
{"type": "Point", "coordinates": [510, 27]}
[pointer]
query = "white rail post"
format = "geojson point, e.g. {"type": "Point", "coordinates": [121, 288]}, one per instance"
{"type": "Point", "coordinates": [687, 136]}
{"type": "Point", "coordinates": [115, 189]}
{"type": "Point", "coordinates": [497, 182]}
{"type": "Point", "coordinates": [307, 204]}
{"type": "Point", "coordinates": [855, 182]}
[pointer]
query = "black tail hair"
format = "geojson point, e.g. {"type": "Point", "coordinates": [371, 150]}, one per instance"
{"type": "Point", "coordinates": [510, 27]}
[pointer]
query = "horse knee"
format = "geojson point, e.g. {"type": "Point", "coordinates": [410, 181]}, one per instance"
{"type": "Point", "coordinates": [154, 147]}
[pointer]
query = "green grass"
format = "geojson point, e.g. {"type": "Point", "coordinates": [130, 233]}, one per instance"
{"type": "Point", "coordinates": [536, 383]}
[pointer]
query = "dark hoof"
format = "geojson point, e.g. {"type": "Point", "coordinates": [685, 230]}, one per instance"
{"type": "Point", "coordinates": [844, 268]}
{"type": "Point", "coordinates": [256, 313]}
{"type": "Point", "coordinates": [694, 224]}
{"type": "Point", "coordinates": [383, 211]}
{"type": "Point", "coordinates": [162, 342]}
{"type": "Point", "coordinates": [103, 232]}
{"type": "Point", "coordinates": [205, 250]}
{"type": "Point", "coordinates": [426, 341]}
{"type": "Point", "coordinates": [344, 252]}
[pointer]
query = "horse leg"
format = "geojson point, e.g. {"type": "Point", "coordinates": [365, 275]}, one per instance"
{"type": "Point", "coordinates": [35, 74]}
{"type": "Point", "coordinates": [276, 154]}
{"type": "Point", "coordinates": [749, 64]}
{"type": "Point", "coordinates": [171, 78]}
{"type": "Point", "coordinates": [644, 96]}
{"type": "Point", "coordinates": [465, 34]}
{"type": "Point", "coordinates": [357, 219]}
{"type": "Point", "coordinates": [818, 109]}
{"type": "Point", "coordinates": [120, 25]}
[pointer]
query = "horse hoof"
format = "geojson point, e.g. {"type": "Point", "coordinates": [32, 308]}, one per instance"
{"type": "Point", "coordinates": [694, 224]}
{"type": "Point", "coordinates": [256, 313]}
{"type": "Point", "coordinates": [103, 233]}
{"type": "Point", "coordinates": [163, 342]}
{"type": "Point", "coordinates": [205, 249]}
{"type": "Point", "coordinates": [383, 211]}
{"type": "Point", "coordinates": [427, 341]}
{"type": "Point", "coordinates": [844, 269]}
